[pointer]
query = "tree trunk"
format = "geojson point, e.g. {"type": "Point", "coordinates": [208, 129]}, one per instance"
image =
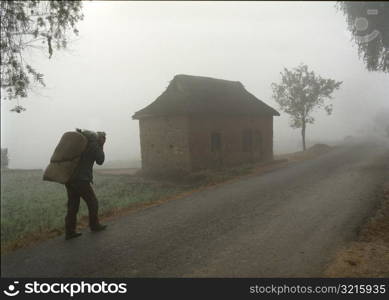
{"type": "Point", "coordinates": [303, 135]}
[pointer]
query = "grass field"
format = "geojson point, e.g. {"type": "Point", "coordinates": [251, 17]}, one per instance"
{"type": "Point", "coordinates": [33, 209]}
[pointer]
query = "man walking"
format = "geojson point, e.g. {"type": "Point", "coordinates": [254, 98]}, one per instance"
{"type": "Point", "coordinates": [79, 186]}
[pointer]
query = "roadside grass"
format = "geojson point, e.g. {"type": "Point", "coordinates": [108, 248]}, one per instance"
{"type": "Point", "coordinates": [33, 210]}
{"type": "Point", "coordinates": [368, 256]}
{"type": "Point", "coordinates": [310, 153]}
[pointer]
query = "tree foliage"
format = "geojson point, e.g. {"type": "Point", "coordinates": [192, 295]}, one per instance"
{"type": "Point", "coordinates": [300, 93]}
{"type": "Point", "coordinates": [369, 25]}
{"type": "Point", "coordinates": [28, 25]}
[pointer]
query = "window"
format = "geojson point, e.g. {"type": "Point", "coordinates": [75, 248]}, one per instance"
{"type": "Point", "coordinates": [216, 142]}
{"type": "Point", "coordinates": [247, 140]}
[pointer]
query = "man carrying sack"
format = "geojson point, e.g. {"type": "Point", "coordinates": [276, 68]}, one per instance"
{"type": "Point", "coordinates": [79, 185]}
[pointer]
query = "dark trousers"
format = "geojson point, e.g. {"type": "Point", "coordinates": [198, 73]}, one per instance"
{"type": "Point", "coordinates": [77, 190]}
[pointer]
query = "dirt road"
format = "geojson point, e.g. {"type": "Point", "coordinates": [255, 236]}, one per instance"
{"type": "Point", "coordinates": [288, 222]}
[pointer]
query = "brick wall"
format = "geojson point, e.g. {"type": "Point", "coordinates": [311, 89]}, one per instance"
{"type": "Point", "coordinates": [231, 129]}
{"type": "Point", "coordinates": [164, 145]}
{"type": "Point", "coordinates": [182, 144]}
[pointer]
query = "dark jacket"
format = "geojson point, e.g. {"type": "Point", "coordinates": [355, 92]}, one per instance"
{"type": "Point", "coordinates": [93, 153]}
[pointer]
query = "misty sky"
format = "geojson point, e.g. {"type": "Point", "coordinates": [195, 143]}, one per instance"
{"type": "Point", "coordinates": [127, 52]}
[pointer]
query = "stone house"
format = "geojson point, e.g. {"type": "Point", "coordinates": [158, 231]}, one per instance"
{"type": "Point", "coordinates": [200, 123]}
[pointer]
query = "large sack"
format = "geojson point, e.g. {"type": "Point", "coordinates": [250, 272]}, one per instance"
{"type": "Point", "coordinates": [60, 171]}
{"type": "Point", "coordinates": [65, 158]}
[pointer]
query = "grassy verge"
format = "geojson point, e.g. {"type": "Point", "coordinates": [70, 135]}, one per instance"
{"type": "Point", "coordinates": [32, 210]}
{"type": "Point", "coordinates": [368, 256]}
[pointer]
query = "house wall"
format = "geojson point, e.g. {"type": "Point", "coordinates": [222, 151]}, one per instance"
{"type": "Point", "coordinates": [164, 145]}
{"type": "Point", "coordinates": [231, 129]}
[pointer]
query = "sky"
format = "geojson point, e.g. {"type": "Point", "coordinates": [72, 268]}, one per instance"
{"type": "Point", "coordinates": [127, 52]}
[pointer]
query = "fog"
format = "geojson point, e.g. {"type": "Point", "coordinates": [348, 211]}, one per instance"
{"type": "Point", "coordinates": [127, 52]}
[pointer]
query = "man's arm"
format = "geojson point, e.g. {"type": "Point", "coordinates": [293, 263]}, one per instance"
{"type": "Point", "coordinates": [100, 156]}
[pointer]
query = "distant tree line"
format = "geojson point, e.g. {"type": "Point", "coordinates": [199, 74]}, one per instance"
{"type": "Point", "coordinates": [381, 121]}
{"type": "Point", "coordinates": [4, 158]}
